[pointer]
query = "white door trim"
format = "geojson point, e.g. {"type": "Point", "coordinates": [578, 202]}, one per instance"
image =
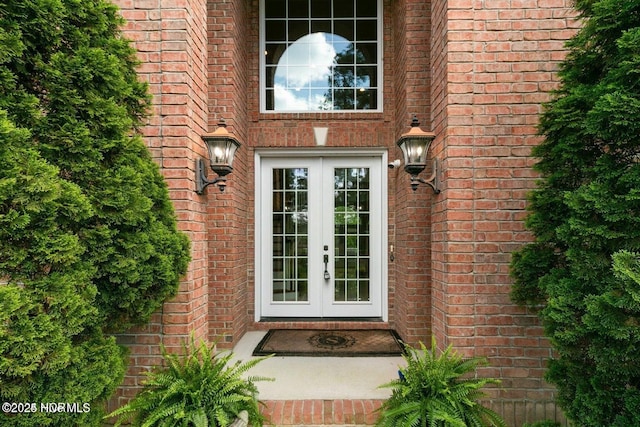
{"type": "Point", "coordinates": [380, 154]}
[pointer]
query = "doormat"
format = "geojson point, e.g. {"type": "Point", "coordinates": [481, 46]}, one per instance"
{"type": "Point", "coordinates": [323, 343]}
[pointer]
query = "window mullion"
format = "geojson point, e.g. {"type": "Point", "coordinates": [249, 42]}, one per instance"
{"type": "Point", "coordinates": [304, 76]}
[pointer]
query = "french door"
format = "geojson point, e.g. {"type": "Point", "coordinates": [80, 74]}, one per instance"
{"type": "Point", "coordinates": [321, 237]}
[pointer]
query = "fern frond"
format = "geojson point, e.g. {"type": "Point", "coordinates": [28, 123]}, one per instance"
{"type": "Point", "coordinates": [435, 391]}
{"type": "Point", "coordinates": [162, 413]}
{"type": "Point", "coordinates": [198, 387]}
{"type": "Point", "coordinates": [198, 418]}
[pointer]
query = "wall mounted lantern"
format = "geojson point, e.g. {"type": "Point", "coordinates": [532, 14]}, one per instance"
{"type": "Point", "coordinates": [222, 146]}
{"type": "Point", "coordinates": [415, 146]}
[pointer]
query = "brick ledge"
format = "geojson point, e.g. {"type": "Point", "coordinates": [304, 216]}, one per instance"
{"type": "Point", "coordinates": [318, 412]}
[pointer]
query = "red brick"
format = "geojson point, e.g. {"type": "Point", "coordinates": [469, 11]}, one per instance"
{"type": "Point", "coordinates": [478, 85]}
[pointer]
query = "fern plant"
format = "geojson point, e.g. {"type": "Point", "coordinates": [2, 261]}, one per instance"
{"type": "Point", "coordinates": [199, 388]}
{"type": "Point", "coordinates": [435, 390]}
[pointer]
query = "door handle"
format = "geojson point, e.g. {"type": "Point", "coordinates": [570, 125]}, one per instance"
{"type": "Point", "coordinates": [327, 276]}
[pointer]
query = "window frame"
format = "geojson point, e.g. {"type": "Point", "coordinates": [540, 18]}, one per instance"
{"type": "Point", "coordinates": [379, 65]}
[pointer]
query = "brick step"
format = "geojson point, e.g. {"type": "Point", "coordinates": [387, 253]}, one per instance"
{"type": "Point", "coordinates": [341, 412]}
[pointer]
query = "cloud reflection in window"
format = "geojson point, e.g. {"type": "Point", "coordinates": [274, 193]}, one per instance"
{"type": "Point", "coordinates": [306, 71]}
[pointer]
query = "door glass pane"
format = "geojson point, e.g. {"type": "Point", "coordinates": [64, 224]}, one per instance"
{"type": "Point", "coordinates": [351, 234]}
{"type": "Point", "coordinates": [290, 234]}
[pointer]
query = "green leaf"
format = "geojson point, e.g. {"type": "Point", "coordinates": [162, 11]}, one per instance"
{"type": "Point", "coordinates": [198, 384]}
{"type": "Point", "coordinates": [436, 391]}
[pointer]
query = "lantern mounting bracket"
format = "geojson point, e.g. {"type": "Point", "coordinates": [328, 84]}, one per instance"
{"type": "Point", "coordinates": [432, 181]}
{"type": "Point", "coordinates": [201, 178]}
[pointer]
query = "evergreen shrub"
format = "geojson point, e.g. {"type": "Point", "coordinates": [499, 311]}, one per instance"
{"type": "Point", "coordinates": [581, 270]}
{"type": "Point", "coordinates": [88, 236]}
{"type": "Point", "coordinates": [546, 423]}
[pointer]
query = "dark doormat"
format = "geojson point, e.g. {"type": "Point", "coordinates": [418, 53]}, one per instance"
{"type": "Point", "coordinates": [338, 343]}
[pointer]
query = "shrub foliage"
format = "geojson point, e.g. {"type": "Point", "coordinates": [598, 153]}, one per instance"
{"type": "Point", "coordinates": [581, 270]}
{"type": "Point", "coordinates": [88, 238]}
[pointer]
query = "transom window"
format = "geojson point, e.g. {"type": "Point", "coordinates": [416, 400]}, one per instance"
{"type": "Point", "coordinates": [321, 55]}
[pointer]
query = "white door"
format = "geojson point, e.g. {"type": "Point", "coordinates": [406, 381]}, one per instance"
{"type": "Point", "coordinates": [321, 237]}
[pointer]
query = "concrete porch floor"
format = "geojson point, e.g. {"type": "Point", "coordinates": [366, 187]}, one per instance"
{"type": "Point", "coordinates": [320, 390]}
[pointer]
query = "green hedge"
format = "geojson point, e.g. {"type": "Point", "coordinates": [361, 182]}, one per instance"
{"type": "Point", "coordinates": [88, 238]}
{"type": "Point", "coordinates": [586, 210]}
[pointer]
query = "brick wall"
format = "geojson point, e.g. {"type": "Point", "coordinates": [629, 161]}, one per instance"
{"type": "Point", "coordinates": [411, 78]}
{"type": "Point", "coordinates": [494, 64]}
{"type": "Point", "coordinates": [475, 73]}
{"type": "Point", "coordinates": [171, 41]}
{"type": "Point", "coordinates": [227, 31]}
{"type": "Point", "coordinates": [295, 130]}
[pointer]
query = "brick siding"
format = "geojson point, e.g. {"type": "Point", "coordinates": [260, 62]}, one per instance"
{"type": "Point", "coordinates": [491, 73]}
{"type": "Point", "coordinates": [229, 213]}
{"type": "Point", "coordinates": [474, 72]}
{"type": "Point", "coordinates": [321, 412]}
{"type": "Point", "coordinates": [170, 38]}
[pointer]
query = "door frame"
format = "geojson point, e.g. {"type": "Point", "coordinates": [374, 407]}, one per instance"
{"type": "Point", "coordinates": [380, 153]}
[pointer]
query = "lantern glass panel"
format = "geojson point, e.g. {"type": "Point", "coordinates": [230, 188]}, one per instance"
{"type": "Point", "coordinates": [415, 151]}
{"type": "Point", "coordinates": [221, 151]}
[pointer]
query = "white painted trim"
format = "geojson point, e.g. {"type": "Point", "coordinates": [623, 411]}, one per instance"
{"type": "Point", "coordinates": [381, 153]}
{"type": "Point", "coordinates": [320, 134]}
{"type": "Point", "coordinates": [262, 72]}
{"type": "Point", "coordinates": [322, 152]}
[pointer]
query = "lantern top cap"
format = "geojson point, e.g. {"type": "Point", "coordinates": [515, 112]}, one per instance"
{"type": "Point", "coordinates": [220, 132]}
{"type": "Point", "coordinates": [416, 131]}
